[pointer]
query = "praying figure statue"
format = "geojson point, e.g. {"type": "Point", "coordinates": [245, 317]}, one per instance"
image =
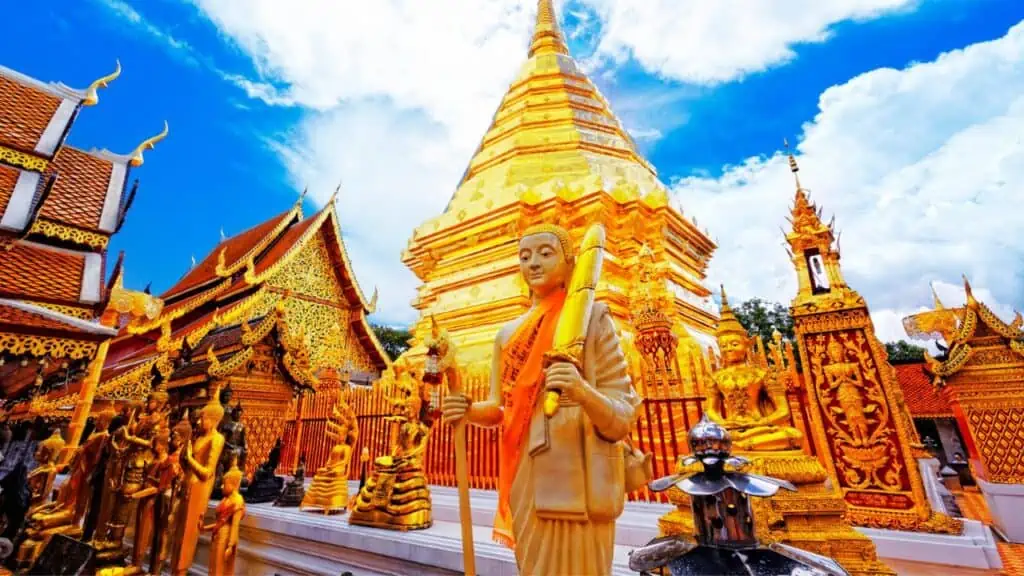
{"type": "Point", "coordinates": [844, 377]}
{"type": "Point", "coordinates": [198, 463]}
{"type": "Point", "coordinates": [739, 397]}
{"type": "Point", "coordinates": [224, 543]}
{"type": "Point", "coordinates": [561, 483]}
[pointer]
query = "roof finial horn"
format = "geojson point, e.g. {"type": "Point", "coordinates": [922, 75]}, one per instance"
{"type": "Point", "coordinates": [92, 96]}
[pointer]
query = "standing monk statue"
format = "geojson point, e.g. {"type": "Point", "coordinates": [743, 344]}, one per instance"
{"type": "Point", "coordinates": [562, 471]}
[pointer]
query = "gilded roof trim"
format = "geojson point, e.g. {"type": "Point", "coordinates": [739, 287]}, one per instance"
{"type": "Point", "coordinates": [225, 271]}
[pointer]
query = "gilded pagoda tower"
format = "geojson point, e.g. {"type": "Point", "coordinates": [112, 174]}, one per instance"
{"type": "Point", "coordinates": [861, 428]}
{"type": "Point", "coordinates": [554, 152]}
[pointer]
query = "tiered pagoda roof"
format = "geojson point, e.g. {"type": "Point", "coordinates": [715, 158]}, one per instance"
{"type": "Point", "coordinates": [923, 400]}
{"type": "Point", "coordinates": [59, 206]}
{"type": "Point", "coordinates": [226, 304]}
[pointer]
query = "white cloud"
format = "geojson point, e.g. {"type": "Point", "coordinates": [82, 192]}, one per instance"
{"type": "Point", "coordinates": [711, 42]}
{"type": "Point", "coordinates": [924, 169]}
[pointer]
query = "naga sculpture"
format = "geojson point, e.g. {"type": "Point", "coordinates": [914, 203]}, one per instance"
{"type": "Point", "coordinates": [329, 491]}
{"type": "Point", "coordinates": [396, 495]}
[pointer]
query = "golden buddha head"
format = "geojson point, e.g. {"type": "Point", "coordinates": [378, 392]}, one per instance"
{"type": "Point", "coordinates": [545, 258]}
{"type": "Point", "coordinates": [733, 341]}
{"type": "Point", "coordinates": [210, 416]}
{"type": "Point", "coordinates": [232, 478]}
{"type": "Point", "coordinates": [157, 399]}
{"type": "Point", "coordinates": [181, 433]}
{"type": "Point", "coordinates": [48, 449]}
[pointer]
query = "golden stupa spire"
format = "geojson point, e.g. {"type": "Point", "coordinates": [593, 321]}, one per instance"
{"type": "Point", "coordinates": [793, 167]}
{"type": "Point", "coordinates": [547, 36]}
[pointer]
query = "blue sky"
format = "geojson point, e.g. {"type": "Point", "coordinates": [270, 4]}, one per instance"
{"type": "Point", "coordinates": [235, 157]}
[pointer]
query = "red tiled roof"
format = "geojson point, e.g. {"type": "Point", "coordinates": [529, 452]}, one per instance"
{"type": "Point", "coordinates": [35, 273]}
{"type": "Point", "coordinates": [8, 178]}
{"type": "Point", "coordinates": [234, 248]}
{"type": "Point", "coordinates": [78, 195]}
{"type": "Point", "coordinates": [25, 112]}
{"type": "Point", "coordinates": [923, 400]}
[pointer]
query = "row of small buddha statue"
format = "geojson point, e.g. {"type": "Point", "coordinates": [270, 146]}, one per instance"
{"type": "Point", "coordinates": [165, 474]}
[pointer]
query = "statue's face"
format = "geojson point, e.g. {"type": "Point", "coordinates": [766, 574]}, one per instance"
{"type": "Point", "coordinates": [206, 422]}
{"type": "Point", "coordinates": [733, 349]}
{"type": "Point", "coordinates": [835, 351]}
{"type": "Point", "coordinates": [542, 263]}
{"type": "Point", "coordinates": [230, 485]}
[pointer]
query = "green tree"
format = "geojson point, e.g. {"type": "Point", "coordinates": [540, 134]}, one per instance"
{"type": "Point", "coordinates": [903, 351]}
{"type": "Point", "coordinates": [395, 341]}
{"type": "Point", "coordinates": [762, 318]}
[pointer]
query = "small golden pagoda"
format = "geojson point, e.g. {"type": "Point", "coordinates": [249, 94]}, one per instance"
{"type": "Point", "coordinates": [862, 430]}
{"type": "Point", "coordinates": [554, 152]}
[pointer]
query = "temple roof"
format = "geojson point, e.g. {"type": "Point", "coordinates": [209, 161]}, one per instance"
{"type": "Point", "coordinates": [43, 274]}
{"type": "Point", "coordinates": [205, 308]}
{"type": "Point", "coordinates": [977, 327]}
{"type": "Point", "coordinates": [922, 398]}
{"type": "Point", "coordinates": [552, 124]}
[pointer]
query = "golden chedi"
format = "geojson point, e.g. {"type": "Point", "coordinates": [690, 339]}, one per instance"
{"type": "Point", "coordinates": [329, 491]}
{"type": "Point", "coordinates": [562, 478]}
{"type": "Point", "coordinates": [396, 495]}
{"type": "Point", "coordinates": [750, 402]}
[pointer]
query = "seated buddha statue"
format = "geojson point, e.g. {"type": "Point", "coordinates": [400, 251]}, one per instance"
{"type": "Point", "coordinates": [739, 397]}
{"type": "Point", "coordinates": [329, 491]}
{"type": "Point", "coordinates": [396, 494]}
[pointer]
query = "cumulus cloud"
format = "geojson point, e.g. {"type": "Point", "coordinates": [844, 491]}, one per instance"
{"type": "Point", "coordinates": [712, 42]}
{"type": "Point", "coordinates": [924, 170]}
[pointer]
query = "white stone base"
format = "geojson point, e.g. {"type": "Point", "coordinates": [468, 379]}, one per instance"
{"type": "Point", "coordinates": [1006, 505]}
{"type": "Point", "coordinates": [286, 541]}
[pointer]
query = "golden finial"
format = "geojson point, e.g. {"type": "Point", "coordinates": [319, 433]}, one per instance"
{"type": "Point", "coordinates": [793, 167]}
{"type": "Point", "coordinates": [435, 331]}
{"type": "Point", "coordinates": [935, 297]}
{"type": "Point", "coordinates": [334, 196]}
{"type": "Point", "coordinates": [372, 306]}
{"type": "Point", "coordinates": [970, 293]}
{"type": "Point", "coordinates": [147, 144]}
{"type": "Point", "coordinates": [547, 36]}
{"type": "Point", "coordinates": [92, 96]}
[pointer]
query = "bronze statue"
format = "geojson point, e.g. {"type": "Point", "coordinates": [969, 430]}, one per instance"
{"type": "Point", "coordinates": [198, 463]}
{"type": "Point", "coordinates": [266, 486]}
{"type": "Point", "coordinates": [235, 449]}
{"type": "Point", "coordinates": [295, 490]}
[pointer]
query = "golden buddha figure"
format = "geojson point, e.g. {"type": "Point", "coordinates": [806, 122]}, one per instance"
{"type": "Point", "coordinates": [739, 397]}
{"type": "Point", "coordinates": [224, 543]}
{"type": "Point", "coordinates": [329, 491]}
{"type": "Point", "coordinates": [396, 495]}
{"type": "Point", "coordinates": [844, 378]}
{"type": "Point", "coordinates": [561, 482]}
{"type": "Point", "coordinates": [65, 514]}
{"type": "Point", "coordinates": [166, 508]}
{"type": "Point", "coordinates": [147, 499]}
{"type": "Point", "coordinates": [40, 484]}
{"type": "Point", "coordinates": [198, 463]}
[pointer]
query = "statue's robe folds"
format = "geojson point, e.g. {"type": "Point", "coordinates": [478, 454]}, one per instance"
{"type": "Point", "coordinates": [569, 484]}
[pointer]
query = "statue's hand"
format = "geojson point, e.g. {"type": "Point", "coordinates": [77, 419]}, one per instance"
{"type": "Point", "coordinates": [454, 407]}
{"type": "Point", "coordinates": [565, 378]}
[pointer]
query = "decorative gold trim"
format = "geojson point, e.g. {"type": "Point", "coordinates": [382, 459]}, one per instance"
{"type": "Point", "coordinates": [180, 311]}
{"type": "Point", "coordinates": [224, 271]}
{"type": "Point", "coordinates": [219, 369]}
{"type": "Point", "coordinates": [20, 159]}
{"type": "Point", "coordinates": [68, 234]}
{"type": "Point", "coordinates": [73, 311]}
{"type": "Point", "coordinates": [46, 346]}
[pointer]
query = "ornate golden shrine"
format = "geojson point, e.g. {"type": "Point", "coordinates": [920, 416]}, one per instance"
{"type": "Point", "coordinates": [554, 152]}
{"type": "Point", "coordinates": [982, 378]}
{"type": "Point", "coordinates": [860, 424]}
{"type": "Point", "coordinates": [264, 313]}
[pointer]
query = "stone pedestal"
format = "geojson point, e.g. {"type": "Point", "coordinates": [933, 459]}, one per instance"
{"type": "Point", "coordinates": [1006, 505]}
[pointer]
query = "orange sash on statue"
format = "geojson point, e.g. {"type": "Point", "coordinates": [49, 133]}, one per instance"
{"type": "Point", "coordinates": [522, 378]}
